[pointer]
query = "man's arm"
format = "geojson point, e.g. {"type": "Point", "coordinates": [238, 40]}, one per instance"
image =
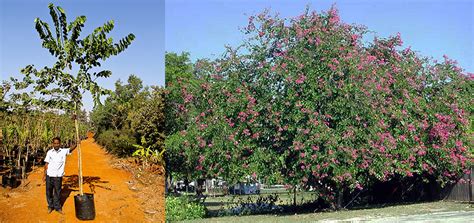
{"type": "Point", "coordinates": [72, 147]}
{"type": "Point", "coordinates": [46, 161]}
{"type": "Point", "coordinates": [45, 171]}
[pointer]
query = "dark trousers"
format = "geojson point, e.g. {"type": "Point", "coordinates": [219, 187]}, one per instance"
{"type": "Point", "coordinates": [53, 192]}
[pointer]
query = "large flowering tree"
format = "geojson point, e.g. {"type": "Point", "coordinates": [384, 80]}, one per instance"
{"type": "Point", "coordinates": [308, 103]}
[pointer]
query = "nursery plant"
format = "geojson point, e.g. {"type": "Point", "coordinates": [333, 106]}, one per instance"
{"type": "Point", "coordinates": [62, 85]}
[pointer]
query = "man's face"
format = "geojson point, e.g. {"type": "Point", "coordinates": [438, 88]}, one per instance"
{"type": "Point", "coordinates": [56, 144]}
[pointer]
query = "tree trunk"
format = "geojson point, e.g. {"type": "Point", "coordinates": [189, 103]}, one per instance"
{"type": "Point", "coordinates": [186, 184]}
{"type": "Point", "coordinates": [19, 156]}
{"type": "Point", "coordinates": [294, 196]}
{"type": "Point", "coordinates": [340, 196]}
{"type": "Point", "coordinates": [78, 143]}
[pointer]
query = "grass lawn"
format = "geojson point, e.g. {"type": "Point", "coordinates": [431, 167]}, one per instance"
{"type": "Point", "coordinates": [389, 213]}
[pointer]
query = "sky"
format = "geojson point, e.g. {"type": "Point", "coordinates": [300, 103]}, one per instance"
{"type": "Point", "coordinates": [203, 27]}
{"type": "Point", "coordinates": [433, 28]}
{"type": "Point", "coordinates": [20, 44]}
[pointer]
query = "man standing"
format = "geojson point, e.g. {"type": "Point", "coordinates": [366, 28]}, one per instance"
{"type": "Point", "coordinates": [53, 173]}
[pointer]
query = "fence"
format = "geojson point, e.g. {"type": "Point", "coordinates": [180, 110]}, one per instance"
{"type": "Point", "coordinates": [461, 191]}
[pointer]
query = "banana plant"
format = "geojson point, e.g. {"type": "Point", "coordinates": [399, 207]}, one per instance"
{"type": "Point", "coordinates": [58, 86]}
{"type": "Point", "coordinates": [147, 154]}
{"type": "Point", "coordinates": [142, 152]}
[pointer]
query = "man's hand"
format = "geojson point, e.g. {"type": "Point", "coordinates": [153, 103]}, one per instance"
{"type": "Point", "coordinates": [45, 171]}
{"type": "Point", "coordinates": [72, 147]}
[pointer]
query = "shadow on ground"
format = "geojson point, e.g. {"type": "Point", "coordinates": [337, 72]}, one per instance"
{"type": "Point", "coordinates": [71, 183]}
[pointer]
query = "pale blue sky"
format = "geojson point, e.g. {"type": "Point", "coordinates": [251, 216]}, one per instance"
{"type": "Point", "coordinates": [203, 27]}
{"type": "Point", "coordinates": [432, 28]}
{"type": "Point", "coordinates": [20, 44]}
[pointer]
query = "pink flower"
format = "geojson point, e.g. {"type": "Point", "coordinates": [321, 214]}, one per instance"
{"type": "Point", "coordinates": [201, 158]}
{"type": "Point", "coordinates": [332, 67]}
{"type": "Point", "coordinates": [202, 143]}
{"type": "Point", "coordinates": [300, 79]}
{"type": "Point", "coordinates": [425, 166]}
{"type": "Point", "coordinates": [333, 16]}
{"type": "Point", "coordinates": [402, 138]}
{"type": "Point", "coordinates": [254, 175]}
{"type": "Point", "coordinates": [246, 132]}
{"type": "Point", "coordinates": [255, 135]}
{"type": "Point", "coordinates": [297, 145]}
{"type": "Point", "coordinates": [354, 37]}
{"type": "Point", "coordinates": [302, 155]}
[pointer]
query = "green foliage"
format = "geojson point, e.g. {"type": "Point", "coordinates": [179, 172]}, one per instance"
{"type": "Point", "coordinates": [179, 70]}
{"type": "Point", "coordinates": [147, 154]}
{"type": "Point", "coordinates": [148, 120]}
{"type": "Point", "coordinates": [36, 129]}
{"type": "Point", "coordinates": [60, 88]}
{"type": "Point", "coordinates": [135, 113]}
{"type": "Point", "coordinates": [181, 208]}
{"type": "Point", "coordinates": [119, 143]}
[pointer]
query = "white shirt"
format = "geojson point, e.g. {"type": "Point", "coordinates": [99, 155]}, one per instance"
{"type": "Point", "coordinates": [56, 161]}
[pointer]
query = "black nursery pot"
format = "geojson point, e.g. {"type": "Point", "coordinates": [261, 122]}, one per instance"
{"type": "Point", "coordinates": [5, 181]}
{"type": "Point", "coordinates": [17, 172]}
{"type": "Point", "coordinates": [29, 166]}
{"type": "Point", "coordinates": [14, 183]}
{"type": "Point", "coordinates": [84, 205]}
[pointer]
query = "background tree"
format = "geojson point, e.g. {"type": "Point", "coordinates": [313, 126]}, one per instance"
{"type": "Point", "coordinates": [132, 114]}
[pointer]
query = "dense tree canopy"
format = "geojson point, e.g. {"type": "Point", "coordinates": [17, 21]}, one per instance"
{"type": "Point", "coordinates": [304, 101]}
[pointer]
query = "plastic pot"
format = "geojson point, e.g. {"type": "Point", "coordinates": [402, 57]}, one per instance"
{"type": "Point", "coordinates": [84, 205]}
{"type": "Point", "coordinates": [5, 181]}
{"type": "Point", "coordinates": [17, 172]}
{"type": "Point", "coordinates": [29, 166]}
{"type": "Point", "coordinates": [14, 183]}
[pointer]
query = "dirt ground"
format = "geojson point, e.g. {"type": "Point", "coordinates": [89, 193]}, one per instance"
{"type": "Point", "coordinates": [120, 192]}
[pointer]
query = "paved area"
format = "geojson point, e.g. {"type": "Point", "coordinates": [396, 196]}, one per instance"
{"type": "Point", "coordinates": [452, 216]}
